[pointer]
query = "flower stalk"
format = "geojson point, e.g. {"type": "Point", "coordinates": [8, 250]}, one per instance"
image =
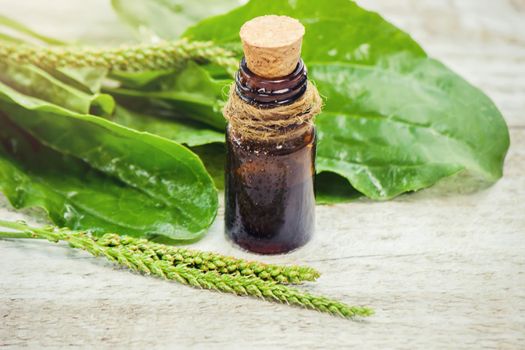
{"type": "Point", "coordinates": [150, 258]}
{"type": "Point", "coordinates": [151, 57]}
{"type": "Point", "coordinates": [209, 261]}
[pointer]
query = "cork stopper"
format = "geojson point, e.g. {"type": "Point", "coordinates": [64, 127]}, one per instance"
{"type": "Point", "coordinates": [272, 45]}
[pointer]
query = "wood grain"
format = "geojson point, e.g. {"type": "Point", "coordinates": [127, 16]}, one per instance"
{"type": "Point", "coordinates": [444, 268]}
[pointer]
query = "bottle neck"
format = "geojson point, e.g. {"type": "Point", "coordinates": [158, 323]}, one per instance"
{"type": "Point", "coordinates": [270, 92]}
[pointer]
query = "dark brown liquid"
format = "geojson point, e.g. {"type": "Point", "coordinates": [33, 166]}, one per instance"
{"type": "Point", "coordinates": [270, 201]}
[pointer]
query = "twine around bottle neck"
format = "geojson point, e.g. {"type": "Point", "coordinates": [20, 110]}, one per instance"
{"type": "Point", "coordinates": [271, 109]}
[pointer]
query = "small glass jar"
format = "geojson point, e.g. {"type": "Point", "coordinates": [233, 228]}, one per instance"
{"type": "Point", "coordinates": [269, 185]}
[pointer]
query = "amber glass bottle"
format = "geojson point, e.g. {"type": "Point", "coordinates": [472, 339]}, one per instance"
{"type": "Point", "coordinates": [269, 185]}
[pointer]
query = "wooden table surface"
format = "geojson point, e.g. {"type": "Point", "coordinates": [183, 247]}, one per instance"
{"type": "Point", "coordinates": [443, 268]}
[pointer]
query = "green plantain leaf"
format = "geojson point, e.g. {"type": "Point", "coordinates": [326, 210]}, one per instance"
{"type": "Point", "coordinates": [87, 79]}
{"type": "Point", "coordinates": [73, 193]}
{"type": "Point", "coordinates": [190, 94]}
{"type": "Point", "coordinates": [203, 141]}
{"type": "Point", "coordinates": [177, 130]}
{"type": "Point", "coordinates": [90, 173]}
{"type": "Point", "coordinates": [404, 125]}
{"type": "Point", "coordinates": [332, 188]}
{"type": "Point", "coordinates": [167, 18]}
{"type": "Point", "coordinates": [394, 120]}
{"type": "Point", "coordinates": [35, 82]}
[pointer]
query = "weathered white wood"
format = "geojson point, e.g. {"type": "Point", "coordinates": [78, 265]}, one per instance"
{"type": "Point", "coordinates": [444, 268]}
